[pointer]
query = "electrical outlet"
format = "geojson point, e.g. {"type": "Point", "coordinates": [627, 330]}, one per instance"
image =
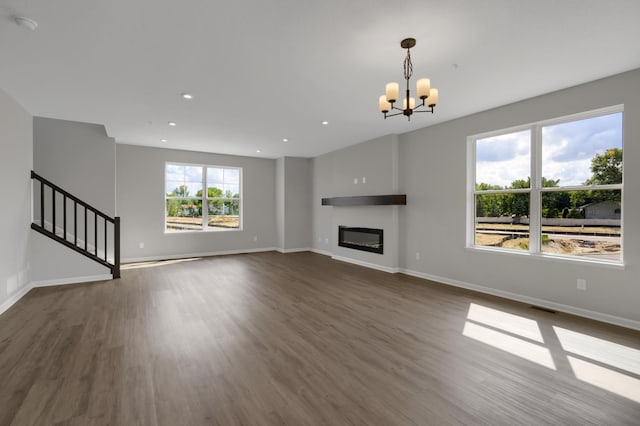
{"type": "Point", "coordinates": [326, 241]}
{"type": "Point", "coordinates": [417, 255]}
{"type": "Point", "coordinates": [141, 245]}
{"type": "Point", "coordinates": [582, 284]}
{"type": "Point", "coordinates": [364, 179]}
{"type": "Point", "coordinates": [255, 238]}
{"type": "Point", "coordinates": [355, 181]}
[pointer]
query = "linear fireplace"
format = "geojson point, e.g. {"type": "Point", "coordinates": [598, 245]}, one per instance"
{"type": "Point", "coordinates": [365, 239]}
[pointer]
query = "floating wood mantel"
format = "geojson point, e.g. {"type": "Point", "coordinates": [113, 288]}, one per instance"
{"type": "Point", "coordinates": [367, 200]}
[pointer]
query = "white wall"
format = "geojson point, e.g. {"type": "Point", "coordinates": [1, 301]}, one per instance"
{"type": "Point", "coordinates": [80, 158]}
{"type": "Point", "coordinates": [140, 199]}
{"type": "Point", "coordinates": [16, 161]}
{"type": "Point", "coordinates": [432, 172]}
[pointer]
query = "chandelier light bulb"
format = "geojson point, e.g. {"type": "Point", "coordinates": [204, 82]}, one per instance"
{"type": "Point", "coordinates": [423, 85]}
{"type": "Point", "coordinates": [412, 103]}
{"type": "Point", "coordinates": [384, 105]}
{"type": "Point", "coordinates": [392, 92]}
{"type": "Point", "coordinates": [433, 97]}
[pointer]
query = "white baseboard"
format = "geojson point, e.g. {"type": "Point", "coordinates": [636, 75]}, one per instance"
{"type": "Point", "coordinates": [71, 280]}
{"type": "Point", "coordinates": [293, 250]}
{"type": "Point", "coordinates": [366, 264]}
{"type": "Point", "coordinates": [322, 252]}
{"type": "Point", "coordinates": [14, 298]}
{"type": "Point", "coordinates": [188, 255]}
{"type": "Point", "coordinates": [598, 316]}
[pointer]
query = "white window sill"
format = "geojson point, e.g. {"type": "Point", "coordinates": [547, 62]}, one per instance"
{"type": "Point", "coordinates": [573, 260]}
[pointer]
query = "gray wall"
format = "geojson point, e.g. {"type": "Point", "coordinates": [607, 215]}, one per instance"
{"type": "Point", "coordinates": [140, 199]}
{"type": "Point", "coordinates": [16, 139]}
{"type": "Point", "coordinates": [323, 236]}
{"type": "Point", "coordinates": [297, 203]}
{"type": "Point", "coordinates": [280, 207]}
{"type": "Point", "coordinates": [335, 174]}
{"type": "Point", "coordinates": [432, 172]}
{"type": "Point", "coordinates": [80, 158]}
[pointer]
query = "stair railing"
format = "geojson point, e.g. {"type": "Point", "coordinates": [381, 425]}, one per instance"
{"type": "Point", "coordinates": [91, 242]}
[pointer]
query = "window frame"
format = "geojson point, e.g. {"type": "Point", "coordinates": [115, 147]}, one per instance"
{"type": "Point", "coordinates": [536, 190]}
{"type": "Point", "coordinates": [205, 199]}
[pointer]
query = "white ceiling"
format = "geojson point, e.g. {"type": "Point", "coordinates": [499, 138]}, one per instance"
{"type": "Point", "coordinates": [264, 70]}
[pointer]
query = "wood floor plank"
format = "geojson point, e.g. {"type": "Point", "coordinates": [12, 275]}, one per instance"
{"type": "Point", "coordinates": [300, 339]}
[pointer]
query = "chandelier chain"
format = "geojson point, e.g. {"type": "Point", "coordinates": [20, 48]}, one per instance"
{"type": "Point", "coordinates": [408, 66]}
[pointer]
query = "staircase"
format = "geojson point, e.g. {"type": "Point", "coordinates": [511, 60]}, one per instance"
{"type": "Point", "coordinates": [71, 222]}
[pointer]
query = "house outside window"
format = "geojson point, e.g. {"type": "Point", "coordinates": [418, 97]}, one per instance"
{"type": "Point", "coordinates": [552, 188]}
{"type": "Point", "coordinates": [202, 198]}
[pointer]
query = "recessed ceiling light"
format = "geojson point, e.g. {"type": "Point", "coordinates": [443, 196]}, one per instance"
{"type": "Point", "coordinates": [172, 123]}
{"type": "Point", "coordinates": [257, 150]}
{"type": "Point", "coordinates": [164, 140]}
{"type": "Point", "coordinates": [187, 96]}
{"type": "Point", "coordinates": [324, 123]}
{"type": "Point", "coordinates": [285, 140]}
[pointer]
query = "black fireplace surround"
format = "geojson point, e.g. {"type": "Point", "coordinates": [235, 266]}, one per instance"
{"type": "Point", "coordinates": [365, 239]}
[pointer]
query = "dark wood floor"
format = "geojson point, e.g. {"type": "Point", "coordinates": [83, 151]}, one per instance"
{"type": "Point", "coordinates": [300, 339]}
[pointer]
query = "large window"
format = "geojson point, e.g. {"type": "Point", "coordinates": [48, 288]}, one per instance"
{"type": "Point", "coordinates": [552, 188]}
{"type": "Point", "coordinates": [201, 198]}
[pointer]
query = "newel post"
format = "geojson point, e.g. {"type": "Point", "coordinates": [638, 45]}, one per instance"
{"type": "Point", "coordinates": [116, 247]}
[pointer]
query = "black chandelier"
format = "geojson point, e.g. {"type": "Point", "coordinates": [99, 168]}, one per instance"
{"type": "Point", "coordinates": [424, 91]}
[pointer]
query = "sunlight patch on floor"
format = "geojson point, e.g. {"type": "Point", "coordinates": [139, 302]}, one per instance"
{"type": "Point", "coordinates": [154, 263]}
{"type": "Point", "coordinates": [514, 324]}
{"type": "Point", "coordinates": [609, 380]}
{"type": "Point", "coordinates": [522, 337]}
{"type": "Point", "coordinates": [513, 345]}
{"type": "Point", "coordinates": [600, 350]}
